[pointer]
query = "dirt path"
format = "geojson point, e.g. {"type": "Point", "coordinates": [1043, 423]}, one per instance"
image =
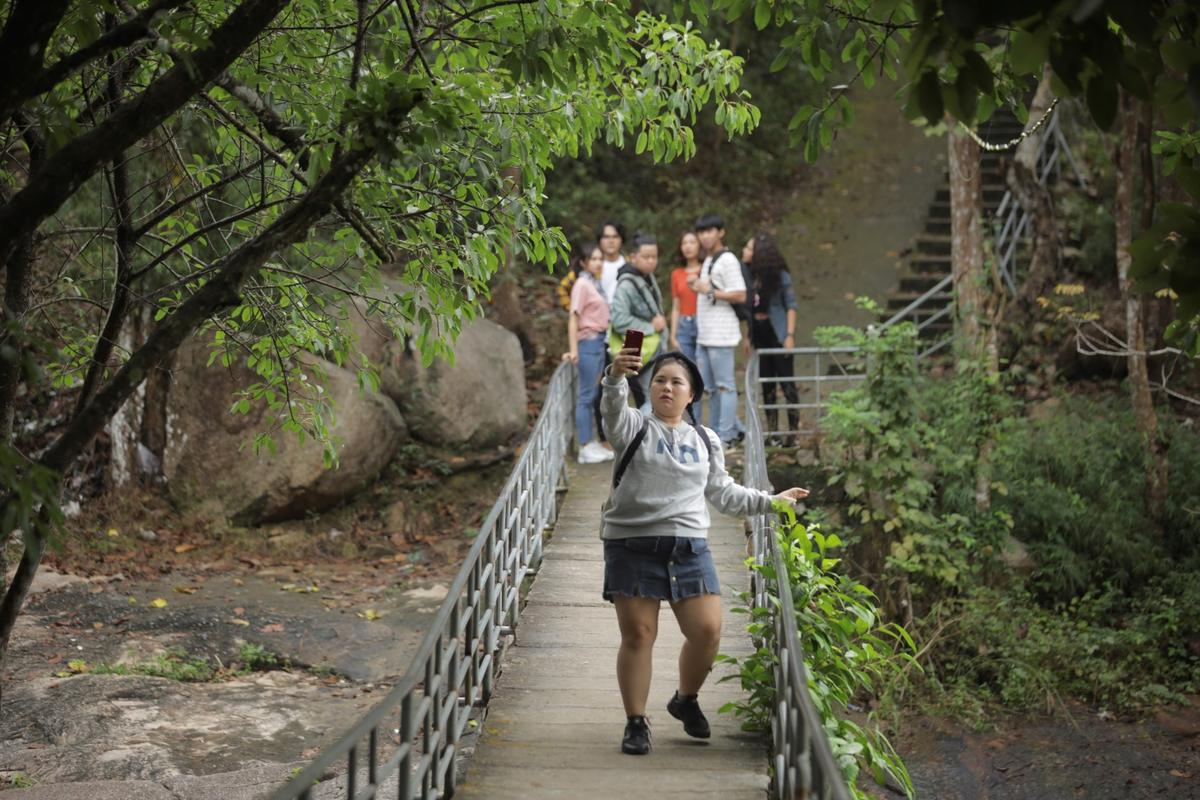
{"type": "Point", "coordinates": [1047, 758]}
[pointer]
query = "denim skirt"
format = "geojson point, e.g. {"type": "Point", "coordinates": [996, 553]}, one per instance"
{"type": "Point", "coordinates": [662, 567]}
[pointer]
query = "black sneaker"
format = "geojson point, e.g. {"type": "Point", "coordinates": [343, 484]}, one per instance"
{"type": "Point", "coordinates": [637, 737]}
{"type": "Point", "coordinates": [687, 709]}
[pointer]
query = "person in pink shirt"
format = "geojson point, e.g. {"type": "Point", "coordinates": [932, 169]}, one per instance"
{"type": "Point", "coordinates": [587, 332]}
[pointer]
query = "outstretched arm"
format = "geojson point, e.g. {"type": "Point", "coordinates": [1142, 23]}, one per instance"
{"type": "Point", "coordinates": [621, 423]}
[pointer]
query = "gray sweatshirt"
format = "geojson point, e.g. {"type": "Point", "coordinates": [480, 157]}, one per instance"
{"type": "Point", "coordinates": [663, 490]}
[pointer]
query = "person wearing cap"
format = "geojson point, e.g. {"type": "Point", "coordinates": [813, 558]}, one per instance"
{"type": "Point", "coordinates": [655, 532]}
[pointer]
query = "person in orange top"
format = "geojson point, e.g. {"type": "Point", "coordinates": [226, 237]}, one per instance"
{"type": "Point", "coordinates": [689, 257]}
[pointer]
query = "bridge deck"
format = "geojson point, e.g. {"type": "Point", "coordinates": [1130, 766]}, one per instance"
{"type": "Point", "coordinates": [554, 724]}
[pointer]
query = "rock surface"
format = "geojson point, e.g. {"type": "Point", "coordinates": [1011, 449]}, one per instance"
{"type": "Point", "coordinates": [209, 459]}
{"type": "Point", "coordinates": [131, 737]}
{"type": "Point", "coordinates": [479, 401]}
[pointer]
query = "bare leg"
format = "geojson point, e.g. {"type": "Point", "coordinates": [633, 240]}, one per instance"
{"type": "Point", "coordinates": [700, 622]}
{"type": "Point", "coordinates": [638, 620]}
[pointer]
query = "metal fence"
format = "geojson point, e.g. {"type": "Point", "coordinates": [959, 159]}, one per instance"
{"type": "Point", "coordinates": [818, 372]}
{"type": "Point", "coordinates": [803, 763]}
{"type": "Point", "coordinates": [412, 736]}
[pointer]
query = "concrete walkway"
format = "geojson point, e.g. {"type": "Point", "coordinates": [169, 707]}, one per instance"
{"type": "Point", "coordinates": [554, 725]}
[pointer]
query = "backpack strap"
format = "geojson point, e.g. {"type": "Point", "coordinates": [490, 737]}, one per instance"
{"type": "Point", "coordinates": [651, 305]}
{"type": "Point", "coordinates": [627, 456]}
{"type": "Point", "coordinates": [704, 439]}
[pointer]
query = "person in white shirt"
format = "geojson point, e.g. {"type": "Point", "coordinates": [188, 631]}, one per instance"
{"type": "Point", "coordinates": [610, 236]}
{"type": "Point", "coordinates": [718, 330]}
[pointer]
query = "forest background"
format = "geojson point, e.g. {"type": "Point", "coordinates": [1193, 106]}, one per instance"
{"type": "Point", "coordinates": [1105, 512]}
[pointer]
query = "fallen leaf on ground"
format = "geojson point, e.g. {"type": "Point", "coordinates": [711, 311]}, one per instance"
{"type": "Point", "coordinates": [113, 533]}
{"type": "Point", "coordinates": [158, 602]}
{"type": "Point", "coordinates": [370, 614]}
{"type": "Point", "coordinates": [186, 589]}
{"type": "Point", "coordinates": [1178, 773]}
{"type": "Point", "coordinates": [273, 627]}
{"type": "Point", "coordinates": [236, 621]}
{"type": "Point", "coordinates": [184, 548]}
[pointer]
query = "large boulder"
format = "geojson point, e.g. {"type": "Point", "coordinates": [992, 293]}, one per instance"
{"type": "Point", "coordinates": [478, 401]}
{"type": "Point", "coordinates": [209, 460]}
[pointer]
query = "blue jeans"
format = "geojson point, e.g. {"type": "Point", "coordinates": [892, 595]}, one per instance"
{"type": "Point", "coordinates": [686, 336]}
{"type": "Point", "coordinates": [716, 369]}
{"type": "Point", "coordinates": [591, 364]}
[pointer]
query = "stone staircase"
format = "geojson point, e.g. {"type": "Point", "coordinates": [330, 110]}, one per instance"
{"type": "Point", "coordinates": [928, 260]}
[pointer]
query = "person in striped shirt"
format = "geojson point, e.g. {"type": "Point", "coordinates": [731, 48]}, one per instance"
{"type": "Point", "coordinates": [718, 331]}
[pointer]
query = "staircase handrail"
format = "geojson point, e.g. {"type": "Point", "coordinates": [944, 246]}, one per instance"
{"type": "Point", "coordinates": [1010, 221]}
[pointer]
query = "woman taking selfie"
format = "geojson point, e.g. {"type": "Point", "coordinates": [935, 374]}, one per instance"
{"type": "Point", "coordinates": [655, 532]}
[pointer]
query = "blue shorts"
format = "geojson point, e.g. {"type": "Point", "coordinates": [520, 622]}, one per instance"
{"type": "Point", "coordinates": [662, 567]}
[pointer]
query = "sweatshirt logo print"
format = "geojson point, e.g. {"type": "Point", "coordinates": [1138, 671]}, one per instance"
{"type": "Point", "coordinates": [685, 451]}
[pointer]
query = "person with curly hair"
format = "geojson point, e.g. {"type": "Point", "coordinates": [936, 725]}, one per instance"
{"type": "Point", "coordinates": [773, 326]}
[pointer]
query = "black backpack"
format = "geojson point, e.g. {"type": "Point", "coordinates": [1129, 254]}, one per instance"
{"type": "Point", "coordinates": [744, 309]}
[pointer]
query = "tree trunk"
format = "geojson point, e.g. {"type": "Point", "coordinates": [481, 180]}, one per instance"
{"type": "Point", "coordinates": [966, 243]}
{"type": "Point", "coordinates": [223, 290]}
{"type": "Point", "coordinates": [976, 308]}
{"type": "Point", "coordinates": [1135, 336]}
{"type": "Point", "coordinates": [1035, 199]}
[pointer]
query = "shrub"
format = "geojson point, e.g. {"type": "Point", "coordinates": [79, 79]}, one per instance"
{"type": "Point", "coordinates": [850, 653]}
{"type": "Point", "coordinates": [1075, 483]}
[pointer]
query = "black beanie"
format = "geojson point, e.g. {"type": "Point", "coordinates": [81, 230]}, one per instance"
{"type": "Point", "coordinates": [692, 370]}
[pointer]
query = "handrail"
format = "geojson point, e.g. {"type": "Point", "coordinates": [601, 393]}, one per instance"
{"type": "Point", "coordinates": [1010, 222]}
{"type": "Point", "coordinates": [824, 360]}
{"type": "Point", "coordinates": [455, 665]}
{"type": "Point", "coordinates": [803, 761]}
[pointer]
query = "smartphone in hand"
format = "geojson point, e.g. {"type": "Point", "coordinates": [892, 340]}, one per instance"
{"type": "Point", "coordinates": [633, 338]}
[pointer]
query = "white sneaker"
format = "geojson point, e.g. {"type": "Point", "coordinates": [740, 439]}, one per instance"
{"type": "Point", "coordinates": [594, 453]}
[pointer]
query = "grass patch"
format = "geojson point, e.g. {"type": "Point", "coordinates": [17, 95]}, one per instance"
{"type": "Point", "coordinates": [174, 665]}
{"type": "Point", "coordinates": [177, 665]}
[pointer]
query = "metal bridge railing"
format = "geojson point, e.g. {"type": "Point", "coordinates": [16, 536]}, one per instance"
{"type": "Point", "coordinates": [803, 762]}
{"type": "Point", "coordinates": [414, 732]}
{"type": "Point", "coordinates": [818, 372]}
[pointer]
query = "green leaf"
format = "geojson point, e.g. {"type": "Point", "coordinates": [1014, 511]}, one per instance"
{"type": "Point", "coordinates": [1027, 50]}
{"type": "Point", "coordinates": [981, 73]}
{"type": "Point", "coordinates": [1102, 100]}
{"type": "Point", "coordinates": [929, 97]}
{"type": "Point", "coordinates": [1189, 179]}
{"type": "Point", "coordinates": [762, 14]}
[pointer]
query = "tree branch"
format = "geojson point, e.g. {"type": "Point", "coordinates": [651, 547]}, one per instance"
{"type": "Point", "coordinates": [126, 239]}
{"type": "Point", "coordinates": [279, 128]}
{"type": "Point", "coordinates": [30, 25]}
{"type": "Point", "coordinates": [223, 290]}
{"type": "Point", "coordinates": [63, 173]}
{"type": "Point", "coordinates": [123, 35]}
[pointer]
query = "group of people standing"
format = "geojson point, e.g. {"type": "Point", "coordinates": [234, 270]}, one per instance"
{"type": "Point", "coordinates": [710, 299]}
{"type": "Point", "coordinates": [655, 527]}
